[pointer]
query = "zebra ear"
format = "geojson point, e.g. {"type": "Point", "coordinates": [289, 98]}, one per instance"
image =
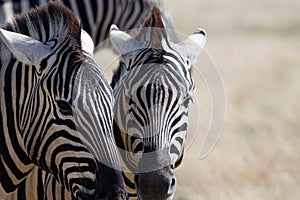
{"type": "Point", "coordinates": [123, 42]}
{"type": "Point", "coordinates": [193, 45]}
{"type": "Point", "coordinates": [87, 43]}
{"type": "Point", "coordinates": [24, 48]}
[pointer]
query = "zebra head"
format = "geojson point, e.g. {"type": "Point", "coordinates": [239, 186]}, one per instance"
{"type": "Point", "coordinates": [153, 87]}
{"type": "Point", "coordinates": [59, 106]}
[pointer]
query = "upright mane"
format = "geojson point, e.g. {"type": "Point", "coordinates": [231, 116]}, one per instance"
{"type": "Point", "coordinates": [146, 34]}
{"type": "Point", "coordinates": [154, 19]}
{"type": "Point", "coordinates": [52, 21]}
{"type": "Point", "coordinates": [152, 28]}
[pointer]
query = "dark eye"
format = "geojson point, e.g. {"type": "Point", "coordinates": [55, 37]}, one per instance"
{"type": "Point", "coordinates": [64, 107]}
{"type": "Point", "coordinates": [187, 100]}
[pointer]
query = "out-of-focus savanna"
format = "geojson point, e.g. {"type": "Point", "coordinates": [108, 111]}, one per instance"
{"type": "Point", "coordinates": [256, 47]}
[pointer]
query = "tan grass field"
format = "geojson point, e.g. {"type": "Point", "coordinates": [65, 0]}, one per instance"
{"type": "Point", "coordinates": [256, 46]}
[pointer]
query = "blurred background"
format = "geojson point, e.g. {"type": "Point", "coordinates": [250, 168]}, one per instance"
{"type": "Point", "coordinates": [256, 47]}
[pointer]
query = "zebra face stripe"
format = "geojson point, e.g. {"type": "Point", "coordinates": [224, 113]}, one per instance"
{"type": "Point", "coordinates": [152, 105]}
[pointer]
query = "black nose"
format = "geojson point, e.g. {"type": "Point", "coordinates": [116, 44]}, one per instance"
{"type": "Point", "coordinates": [159, 184]}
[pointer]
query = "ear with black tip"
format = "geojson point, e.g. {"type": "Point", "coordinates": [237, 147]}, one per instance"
{"type": "Point", "coordinates": [193, 45]}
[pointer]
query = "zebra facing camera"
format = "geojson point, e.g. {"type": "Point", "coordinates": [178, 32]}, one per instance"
{"type": "Point", "coordinates": [206, 110]}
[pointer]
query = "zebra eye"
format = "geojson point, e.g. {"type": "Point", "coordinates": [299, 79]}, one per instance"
{"type": "Point", "coordinates": [187, 100]}
{"type": "Point", "coordinates": [64, 107]}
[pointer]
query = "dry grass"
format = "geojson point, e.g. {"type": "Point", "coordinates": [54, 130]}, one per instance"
{"type": "Point", "coordinates": [256, 46]}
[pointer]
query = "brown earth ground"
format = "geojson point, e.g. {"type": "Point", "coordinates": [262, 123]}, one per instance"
{"type": "Point", "coordinates": [255, 45]}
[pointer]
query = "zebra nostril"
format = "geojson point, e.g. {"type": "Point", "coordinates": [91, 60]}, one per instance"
{"type": "Point", "coordinates": [173, 182]}
{"type": "Point", "coordinates": [172, 186]}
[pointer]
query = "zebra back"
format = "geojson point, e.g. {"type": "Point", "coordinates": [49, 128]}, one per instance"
{"type": "Point", "coordinates": [56, 107]}
{"type": "Point", "coordinates": [96, 16]}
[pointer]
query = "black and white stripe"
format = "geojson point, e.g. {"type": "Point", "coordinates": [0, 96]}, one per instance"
{"type": "Point", "coordinates": [152, 89]}
{"type": "Point", "coordinates": [56, 108]}
{"type": "Point", "coordinates": [96, 16]}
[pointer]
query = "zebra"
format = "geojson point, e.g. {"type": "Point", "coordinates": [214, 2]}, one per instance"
{"type": "Point", "coordinates": [96, 15]}
{"type": "Point", "coordinates": [132, 10]}
{"type": "Point", "coordinates": [152, 88]}
{"type": "Point", "coordinates": [56, 107]}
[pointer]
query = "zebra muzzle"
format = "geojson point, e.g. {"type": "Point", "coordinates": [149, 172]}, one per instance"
{"type": "Point", "coordinates": [159, 184]}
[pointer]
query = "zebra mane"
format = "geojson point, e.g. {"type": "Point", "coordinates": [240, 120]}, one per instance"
{"type": "Point", "coordinates": [50, 21]}
{"type": "Point", "coordinates": [152, 28]}
{"type": "Point", "coordinates": [153, 19]}
{"type": "Point", "coordinates": [142, 33]}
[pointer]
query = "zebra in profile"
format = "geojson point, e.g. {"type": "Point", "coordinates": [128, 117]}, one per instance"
{"type": "Point", "coordinates": [152, 88]}
{"type": "Point", "coordinates": [96, 15]}
{"type": "Point", "coordinates": [56, 107]}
